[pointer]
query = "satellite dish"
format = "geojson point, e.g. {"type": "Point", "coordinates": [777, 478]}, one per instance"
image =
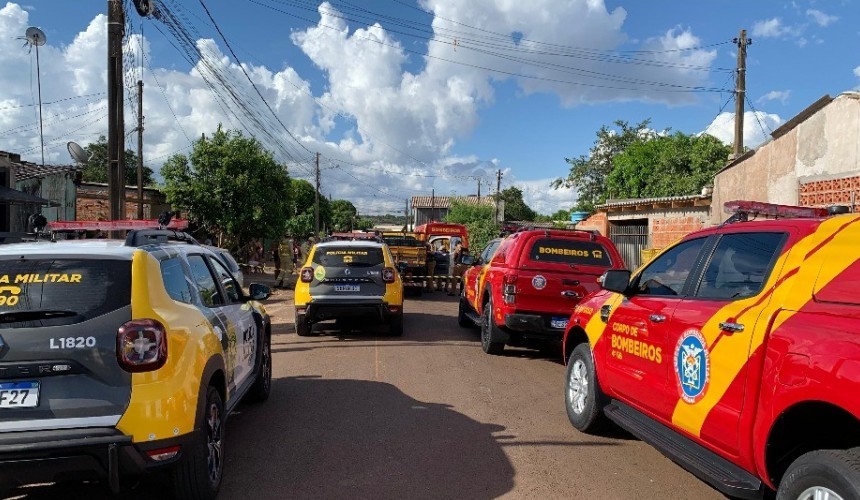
{"type": "Point", "coordinates": [78, 153]}
{"type": "Point", "coordinates": [35, 36]}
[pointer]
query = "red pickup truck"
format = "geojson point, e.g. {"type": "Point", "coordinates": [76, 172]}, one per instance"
{"type": "Point", "coordinates": [735, 352]}
{"type": "Point", "coordinates": [526, 285]}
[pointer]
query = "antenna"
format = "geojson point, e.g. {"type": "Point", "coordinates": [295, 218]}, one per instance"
{"type": "Point", "coordinates": [34, 37]}
{"type": "Point", "coordinates": [78, 153]}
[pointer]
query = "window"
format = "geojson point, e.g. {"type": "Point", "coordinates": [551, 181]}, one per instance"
{"type": "Point", "coordinates": [228, 282]}
{"type": "Point", "coordinates": [174, 280]}
{"type": "Point", "coordinates": [740, 265]}
{"type": "Point", "coordinates": [202, 277]}
{"type": "Point", "coordinates": [569, 251]}
{"type": "Point", "coordinates": [489, 250]}
{"type": "Point", "coordinates": [340, 256]}
{"type": "Point", "coordinates": [88, 288]}
{"type": "Point", "coordinates": [667, 274]}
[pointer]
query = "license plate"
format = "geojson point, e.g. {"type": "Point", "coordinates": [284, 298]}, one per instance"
{"type": "Point", "coordinates": [558, 322]}
{"type": "Point", "coordinates": [347, 288]}
{"type": "Point", "coordinates": [19, 395]}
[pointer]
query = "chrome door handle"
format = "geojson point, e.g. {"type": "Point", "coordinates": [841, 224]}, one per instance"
{"type": "Point", "coordinates": [657, 318]}
{"type": "Point", "coordinates": [731, 327]}
{"type": "Point", "coordinates": [571, 294]}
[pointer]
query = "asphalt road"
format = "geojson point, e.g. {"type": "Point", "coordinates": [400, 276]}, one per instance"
{"type": "Point", "coordinates": [355, 413]}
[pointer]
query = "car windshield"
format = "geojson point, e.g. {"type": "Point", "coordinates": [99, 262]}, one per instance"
{"type": "Point", "coordinates": [338, 256]}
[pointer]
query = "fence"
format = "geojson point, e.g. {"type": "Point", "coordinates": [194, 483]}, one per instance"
{"type": "Point", "coordinates": [630, 239]}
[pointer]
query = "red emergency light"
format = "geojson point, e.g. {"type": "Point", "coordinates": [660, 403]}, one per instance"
{"type": "Point", "coordinates": [114, 225]}
{"type": "Point", "coordinates": [757, 208]}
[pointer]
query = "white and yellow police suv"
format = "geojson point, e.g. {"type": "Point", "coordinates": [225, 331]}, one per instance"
{"type": "Point", "coordinates": [120, 358]}
{"type": "Point", "coordinates": [349, 279]}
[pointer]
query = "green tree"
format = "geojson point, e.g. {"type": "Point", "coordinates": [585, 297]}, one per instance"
{"type": "Point", "coordinates": [343, 215]}
{"type": "Point", "coordinates": [671, 165]}
{"type": "Point", "coordinates": [301, 226]}
{"type": "Point", "coordinates": [230, 184]}
{"type": "Point", "coordinates": [561, 215]}
{"type": "Point", "coordinates": [588, 173]}
{"type": "Point", "coordinates": [304, 200]}
{"type": "Point", "coordinates": [515, 206]}
{"type": "Point", "coordinates": [479, 223]}
{"type": "Point", "coordinates": [96, 169]}
{"type": "Point", "coordinates": [364, 224]}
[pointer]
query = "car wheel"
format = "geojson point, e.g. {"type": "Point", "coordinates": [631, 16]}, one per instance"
{"type": "Point", "coordinates": [198, 474]}
{"type": "Point", "coordinates": [263, 383]}
{"type": "Point", "coordinates": [582, 395]}
{"type": "Point", "coordinates": [463, 320]}
{"type": "Point", "coordinates": [822, 474]}
{"type": "Point", "coordinates": [490, 332]}
{"type": "Point", "coordinates": [395, 325]}
{"type": "Point", "coordinates": [303, 326]}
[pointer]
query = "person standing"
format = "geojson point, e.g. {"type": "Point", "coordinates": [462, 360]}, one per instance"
{"type": "Point", "coordinates": [276, 258]}
{"type": "Point", "coordinates": [297, 253]}
{"type": "Point", "coordinates": [431, 268]}
{"type": "Point", "coordinates": [452, 268]}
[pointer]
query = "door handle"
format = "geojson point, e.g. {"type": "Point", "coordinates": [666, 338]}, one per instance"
{"type": "Point", "coordinates": [657, 318]}
{"type": "Point", "coordinates": [571, 294]}
{"type": "Point", "coordinates": [731, 327]}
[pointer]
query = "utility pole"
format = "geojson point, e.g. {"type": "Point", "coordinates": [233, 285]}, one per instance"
{"type": "Point", "coordinates": [116, 119]}
{"type": "Point", "coordinates": [498, 190]}
{"type": "Point", "coordinates": [140, 149]}
{"type": "Point", "coordinates": [479, 188]}
{"type": "Point", "coordinates": [432, 203]}
{"type": "Point", "coordinates": [317, 199]}
{"type": "Point", "coordinates": [406, 211]}
{"type": "Point", "coordinates": [740, 92]}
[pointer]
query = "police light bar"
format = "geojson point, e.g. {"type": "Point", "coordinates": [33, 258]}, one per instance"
{"type": "Point", "coordinates": [114, 225]}
{"type": "Point", "coordinates": [773, 210]}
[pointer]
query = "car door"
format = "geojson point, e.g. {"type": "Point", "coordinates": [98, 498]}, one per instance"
{"type": "Point", "coordinates": [212, 305]}
{"type": "Point", "coordinates": [240, 314]}
{"type": "Point", "coordinates": [709, 342]}
{"type": "Point", "coordinates": [479, 272]}
{"type": "Point", "coordinates": [639, 359]}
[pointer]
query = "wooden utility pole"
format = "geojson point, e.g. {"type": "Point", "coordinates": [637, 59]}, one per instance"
{"type": "Point", "coordinates": [498, 191]}
{"type": "Point", "coordinates": [116, 119]}
{"type": "Point", "coordinates": [406, 211]}
{"type": "Point", "coordinates": [317, 200]}
{"type": "Point", "coordinates": [140, 149]}
{"type": "Point", "coordinates": [432, 203]}
{"type": "Point", "coordinates": [740, 92]}
{"type": "Point", "coordinates": [479, 188]}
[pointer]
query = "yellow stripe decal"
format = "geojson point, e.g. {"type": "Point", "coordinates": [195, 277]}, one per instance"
{"type": "Point", "coordinates": [731, 353]}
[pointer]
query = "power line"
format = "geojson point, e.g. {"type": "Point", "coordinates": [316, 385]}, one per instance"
{"type": "Point", "coordinates": [54, 102]}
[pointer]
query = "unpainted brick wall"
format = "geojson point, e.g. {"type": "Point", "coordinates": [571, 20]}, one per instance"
{"type": "Point", "coordinates": [596, 222]}
{"type": "Point", "coordinates": [830, 192]}
{"type": "Point", "coordinates": [667, 230]}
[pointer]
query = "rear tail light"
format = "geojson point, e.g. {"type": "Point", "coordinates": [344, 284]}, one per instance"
{"type": "Point", "coordinates": [141, 345]}
{"type": "Point", "coordinates": [307, 274]}
{"type": "Point", "coordinates": [510, 279]}
{"type": "Point", "coordinates": [163, 454]}
{"type": "Point", "coordinates": [510, 289]}
{"type": "Point", "coordinates": [388, 275]}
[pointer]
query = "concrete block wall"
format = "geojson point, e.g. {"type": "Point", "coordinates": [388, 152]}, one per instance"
{"type": "Point", "coordinates": [668, 229]}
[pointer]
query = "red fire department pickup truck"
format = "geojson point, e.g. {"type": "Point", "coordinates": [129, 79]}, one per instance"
{"type": "Point", "coordinates": [525, 286]}
{"type": "Point", "coordinates": [735, 352]}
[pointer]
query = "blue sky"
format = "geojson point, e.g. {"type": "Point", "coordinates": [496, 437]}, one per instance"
{"type": "Point", "coordinates": [391, 122]}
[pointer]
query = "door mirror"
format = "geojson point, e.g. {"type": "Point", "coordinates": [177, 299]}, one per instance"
{"type": "Point", "coordinates": [468, 260]}
{"type": "Point", "coordinates": [616, 280]}
{"type": "Point", "coordinates": [259, 292]}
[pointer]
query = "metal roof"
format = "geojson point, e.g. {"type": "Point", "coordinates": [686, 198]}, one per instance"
{"type": "Point", "coordinates": [648, 201]}
{"type": "Point", "coordinates": [25, 170]}
{"type": "Point", "coordinates": [445, 201]}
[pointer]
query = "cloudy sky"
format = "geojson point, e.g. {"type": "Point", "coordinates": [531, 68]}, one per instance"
{"type": "Point", "coordinates": [401, 97]}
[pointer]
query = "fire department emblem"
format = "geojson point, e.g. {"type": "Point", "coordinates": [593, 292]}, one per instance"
{"type": "Point", "coordinates": [539, 282]}
{"type": "Point", "coordinates": [692, 366]}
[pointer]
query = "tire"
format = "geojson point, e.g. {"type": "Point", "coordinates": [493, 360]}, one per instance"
{"type": "Point", "coordinates": [303, 326]}
{"type": "Point", "coordinates": [490, 334]}
{"type": "Point", "coordinates": [259, 392]}
{"type": "Point", "coordinates": [198, 474]}
{"type": "Point", "coordinates": [463, 320]}
{"type": "Point", "coordinates": [822, 471]}
{"type": "Point", "coordinates": [395, 325]}
{"type": "Point", "coordinates": [583, 398]}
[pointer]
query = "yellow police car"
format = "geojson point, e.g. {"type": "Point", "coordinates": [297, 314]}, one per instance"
{"type": "Point", "coordinates": [119, 358]}
{"type": "Point", "coordinates": [349, 279]}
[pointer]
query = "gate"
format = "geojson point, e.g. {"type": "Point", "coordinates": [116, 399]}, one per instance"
{"type": "Point", "coordinates": [630, 237]}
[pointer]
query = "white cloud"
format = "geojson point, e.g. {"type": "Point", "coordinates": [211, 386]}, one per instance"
{"type": "Point", "coordinates": [400, 125]}
{"type": "Point", "coordinates": [775, 95]}
{"type": "Point", "coordinates": [857, 71]}
{"type": "Point", "coordinates": [723, 127]}
{"type": "Point", "coordinates": [821, 18]}
{"type": "Point", "coordinates": [769, 28]}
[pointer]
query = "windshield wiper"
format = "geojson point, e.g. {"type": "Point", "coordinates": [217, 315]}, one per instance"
{"type": "Point", "coordinates": [33, 314]}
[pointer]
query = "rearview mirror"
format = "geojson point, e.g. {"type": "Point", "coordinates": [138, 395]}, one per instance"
{"type": "Point", "coordinates": [615, 280]}
{"type": "Point", "coordinates": [468, 260]}
{"type": "Point", "coordinates": [259, 292]}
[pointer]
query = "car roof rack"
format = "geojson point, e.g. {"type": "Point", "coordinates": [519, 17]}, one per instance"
{"type": "Point", "coordinates": [141, 237]}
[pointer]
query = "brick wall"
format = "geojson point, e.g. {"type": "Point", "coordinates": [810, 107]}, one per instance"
{"type": "Point", "coordinates": [92, 202]}
{"type": "Point", "coordinates": [596, 222]}
{"type": "Point", "coordinates": [824, 193]}
{"type": "Point", "coordinates": [666, 230]}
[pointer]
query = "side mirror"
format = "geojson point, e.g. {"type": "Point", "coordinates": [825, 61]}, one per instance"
{"type": "Point", "coordinates": [468, 260]}
{"type": "Point", "coordinates": [401, 266]}
{"type": "Point", "coordinates": [259, 292]}
{"type": "Point", "coordinates": [616, 280]}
